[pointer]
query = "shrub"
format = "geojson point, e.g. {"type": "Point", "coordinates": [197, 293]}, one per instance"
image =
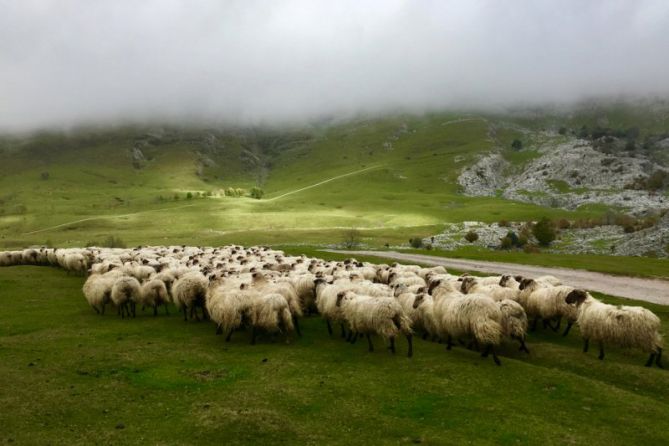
{"type": "Point", "coordinates": [176, 197]}
{"type": "Point", "coordinates": [416, 242]}
{"type": "Point", "coordinates": [517, 144]}
{"type": "Point", "coordinates": [562, 130]}
{"type": "Point", "coordinates": [428, 247]}
{"type": "Point", "coordinates": [544, 232]}
{"type": "Point", "coordinates": [506, 243]}
{"type": "Point", "coordinates": [471, 236]}
{"type": "Point", "coordinates": [44, 175]}
{"type": "Point", "coordinates": [504, 224]}
{"type": "Point", "coordinates": [113, 242]}
{"type": "Point", "coordinates": [257, 193]}
{"type": "Point", "coordinates": [189, 196]}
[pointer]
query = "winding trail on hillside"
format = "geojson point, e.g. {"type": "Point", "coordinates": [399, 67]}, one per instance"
{"type": "Point", "coordinates": [99, 217]}
{"type": "Point", "coordinates": [325, 181]}
{"type": "Point", "coordinates": [649, 290]}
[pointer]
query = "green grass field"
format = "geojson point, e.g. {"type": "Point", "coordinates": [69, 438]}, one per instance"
{"type": "Point", "coordinates": [72, 377]}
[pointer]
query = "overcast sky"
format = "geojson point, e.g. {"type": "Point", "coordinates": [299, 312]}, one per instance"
{"type": "Point", "coordinates": [66, 62]}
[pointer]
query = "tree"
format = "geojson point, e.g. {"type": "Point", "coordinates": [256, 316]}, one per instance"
{"type": "Point", "coordinates": [416, 242]}
{"type": "Point", "coordinates": [517, 144]}
{"type": "Point", "coordinates": [352, 239]}
{"type": "Point", "coordinates": [544, 231]}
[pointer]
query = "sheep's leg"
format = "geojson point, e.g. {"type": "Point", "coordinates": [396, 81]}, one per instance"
{"type": "Point", "coordinates": [166, 310]}
{"type": "Point", "coordinates": [355, 338]}
{"type": "Point", "coordinates": [494, 356]}
{"type": "Point", "coordinates": [219, 330]}
{"type": "Point", "coordinates": [523, 347]}
{"type": "Point", "coordinates": [102, 313]}
{"type": "Point", "coordinates": [343, 330]}
{"type": "Point", "coordinates": [557, 324]}
{"type": "Point", "coordinates": [155, 310]}
{"type": "Point", "coordinates": [229, 336]}
{"type": "Point", "coordinates": [392, 345]}
{"type": "Point", "coordinates": [424, 337]}
{"type": "Point", "coordinates": [410, 342]}
{"type": "Point", "coordinates": [449, 343]}
{"type": "Point", "coordinates": [297, 326]}
{"type": "Point", "coordinates": [96, 309]}
{"type": "Point", "coordinates": [435, 338]}
{"type": "Point", "coordinates": [566, 331]}
{"type": "Point", "coordinates": [185, 314]}
{"type": "Point", "coordinates": [586, 345]}
{"type": "Point", "coordinates": [545, 323]}
{"type": "Point", "coordinates": [649, 363]}
{"type": "Point", "coordinates": [369, 341]}
{"type": "Point", "coordinates": [601, 351]}
{"type": "Point", "coordinates": [658, 358]}
{"type": "Point", "coordinates": [133, 306]}
{"type": "Point", "coordinates": [253, 336]}
{"type": "Point", "coordinates": [534, 324]}
{"type": "Point", "coordinates": [327, 321]}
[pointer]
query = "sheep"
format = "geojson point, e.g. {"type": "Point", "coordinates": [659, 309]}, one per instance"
{"type": "Point", "coordinates": [270, 313]}
{"type": "Point", "coordinates": [228, 305]}
{"type": "Point", "coordinates": [467, 315]}
{"type": "Point", "coordinates": [326, 302]}
{"type": "Point", "coordinates": [546, 302]}
{"type": "Point", "coordinates": [286, 289]}
{"type": "Point", "coordinates": [375, 315]}
{"type": "Point", "coordinates": [75, 262]}
{"type": "Point", "coordinates": [154, 293]}
{"type": "Point", "coordinates": [125, 293]}
{"type": "Point", "coordinates": [514, 321]}
{"type": "Point", "coordinates": [624, 326]}
{"type": "Point", "coordinates": [97, 291]}
{"type": "Point", "coordinates": [189, 292]}
{"type": "Point", "coordinates": [495, 292]}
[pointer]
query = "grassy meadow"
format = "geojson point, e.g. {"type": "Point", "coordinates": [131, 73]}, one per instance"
{"type": "Point", "coordinates": [73, 377]}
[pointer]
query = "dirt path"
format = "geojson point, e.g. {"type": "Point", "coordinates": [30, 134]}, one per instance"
{"type": "Point", "coordinates": [323, 182]}
{"type": "Point", "coordinates": [649, 290]}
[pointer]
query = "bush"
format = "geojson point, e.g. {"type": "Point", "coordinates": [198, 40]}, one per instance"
{"type": "Point", "coordinates": [544, 232]}
{"type": "Point", "coordinates": [562, 130]}
{"type": "Point", "coordinates": [113, 242]}
{"type": "Point", "coordinates": [517, 144]}
{"type": "Point", "coordinates": [506, 243]}
{"type": "Point", "coordinates": [257, 193]}
{"type": "Point", "coordinates": [416, 242]}
{"type": "Point", "coordinates": [44, 175]}
{"type": "Point", "coordinates": [471, 236]}
{"type": "Point", "coordinates": [189, 196]}
{"type": "Point", "coordinates": [503, 224]}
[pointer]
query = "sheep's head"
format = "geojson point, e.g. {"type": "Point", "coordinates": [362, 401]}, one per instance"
{"type": "Point", "coordinates": [467, 284]}
{"type": "Point", "coordinates": [420, 298]}
{"type": "Point", "coordinates": [526, 283]}
{"type": "Point", "coordinates": [518, 278]}
{"type": "Point", "coordinates": [504, 280]}
{"type": "Point", "coordinates": [576, 297]}
{"type": "Point", "coordinates": [433, 285]}
{"type": "Point", "coordinates": [392, 276]}
{"type": "Point", "coordinates": [340, 297]}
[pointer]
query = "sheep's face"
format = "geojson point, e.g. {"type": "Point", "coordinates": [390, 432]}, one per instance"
{"type": "Point", "coordinates": [433, 285]}
{"type": "Point", "coordinates": [504, 280]}
{"type": "Point", "coordinates": [467, 284]}
{"type": "Point", "coordinates": [576, 297]}
{"type": "Point", "coordinates": [526, 283]}
{"type": "Point", "coordinates": [418, 300]}
{"type": "Point", "coordinates": [340, 298]}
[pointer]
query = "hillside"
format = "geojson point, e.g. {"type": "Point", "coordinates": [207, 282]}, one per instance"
{"type": "Point", "coordinates": [393, 177]}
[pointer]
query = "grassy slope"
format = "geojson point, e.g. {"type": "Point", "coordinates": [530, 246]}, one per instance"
{"type": "Point", "coordinates": [413, 186]}
{"type": "Point", "coordinates": [75, 376]}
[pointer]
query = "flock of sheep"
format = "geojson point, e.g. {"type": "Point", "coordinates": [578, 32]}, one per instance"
{"type": "Point", "coordinates": [269, 292]}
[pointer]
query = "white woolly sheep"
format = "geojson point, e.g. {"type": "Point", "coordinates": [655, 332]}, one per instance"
{"type": "Point", "coordinates": [375, 315]}
{"type": "Point", "coordinates": [271, 313]}
{"type": "Point", "coordinates": [624, 326]}
{"type": "Point", "coordinates": [189, 292]}
{"type": "Point", "coordinates": [125, 294]}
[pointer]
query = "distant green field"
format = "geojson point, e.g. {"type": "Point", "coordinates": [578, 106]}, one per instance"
{"type": "Point", "coordinates": [72, 377]}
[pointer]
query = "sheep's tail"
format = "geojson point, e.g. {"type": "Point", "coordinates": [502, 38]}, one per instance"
{"type": "Point", "coordinates": [286, 320]}
{"type": "Point", "coordinates": [403, 323]}
{"type": "Point", "coordinates": [487, 331]}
